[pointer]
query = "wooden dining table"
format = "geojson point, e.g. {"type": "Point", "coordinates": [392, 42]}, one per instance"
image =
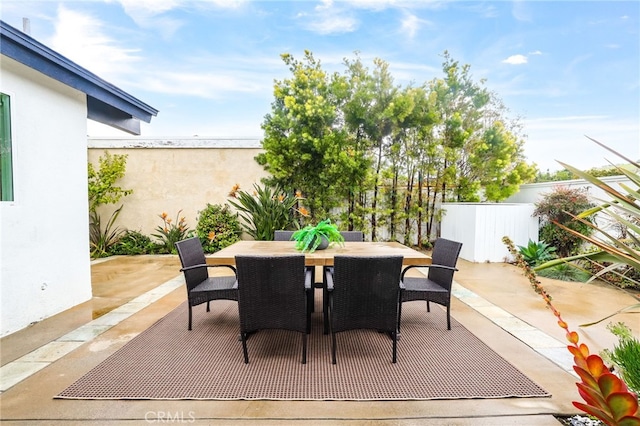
{"type": "Point", "coordinates": [227, 255]}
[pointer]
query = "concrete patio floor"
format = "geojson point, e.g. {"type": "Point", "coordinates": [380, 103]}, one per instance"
{"type": "Point", "coordinates": [494, 301]}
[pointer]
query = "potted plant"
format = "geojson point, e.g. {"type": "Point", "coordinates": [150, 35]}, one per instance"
{"type": "Point", "coordinates": [312, 238]}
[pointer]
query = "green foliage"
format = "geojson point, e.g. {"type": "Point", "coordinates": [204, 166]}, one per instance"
{"type": "Point", "coordinates": [217, 227]}
{"type": "Point", "coordinates": [134, 242]}
{"type": "Point", "coordinates": [386, 154]}
{"type": "Point", "coordinates": [265, 210]}
{"type": "Point", "coordinates": [559, 206]}
{"type": "Point", "coordinates": [625, 356]}
{"type": "Point", "coordinates": [102, 240]}
{"type": "Point", "coordinates": [102, 188]}
{"type": "Point", "coordinates": [605, 395]}
{"type": "Point", "coordinates": [305, 148]}
{"type": "Point", "coordinates": [170, 232]}
{"type": "Point", "coordinates": [536, 253]}
{"type": "Point", "coordinates": [613, 253]}
{"type": "Point", "coordinates": [310, 237]}
{"type": "Point", "coordinates": [566, 272]}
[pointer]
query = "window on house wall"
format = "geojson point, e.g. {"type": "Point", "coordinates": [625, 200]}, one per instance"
{"type": "Point", "coordinates": [6, 163]}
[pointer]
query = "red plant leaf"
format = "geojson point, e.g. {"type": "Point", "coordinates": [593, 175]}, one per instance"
{"type": "Point", "coordinates": [596, 365]}
{"type": "Point", "coordinates": [595, 412]}
{"type": "Point", "coordinates": [587, 378]}
{"type": "Point", "coordinates": [610, 383]}
{"type": "Point", "coordinates": [622, 404]}
{"type": "Point", "coordinates": [593, 397]}
{"type": "Point", "coordinates": [629, 421]}
{"type": "Point", "coordinates": [573, 337]}
{"type": "Point", "coordinates": [584, 350]}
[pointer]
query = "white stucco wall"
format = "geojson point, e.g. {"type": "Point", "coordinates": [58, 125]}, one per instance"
{"type": "Point", "coordinates": [481, 226]}
{"type": "Point", "coordinates": [534, 192]}
{"type": "Point", "coordinates": [44, 233]}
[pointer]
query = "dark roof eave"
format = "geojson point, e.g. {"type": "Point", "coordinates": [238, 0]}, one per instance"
{"type": "Point", "coordinates": [30, 52]}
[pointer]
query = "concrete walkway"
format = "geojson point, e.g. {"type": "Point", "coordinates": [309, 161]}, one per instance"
{"type": "Point", "coordinates": [130, 293]}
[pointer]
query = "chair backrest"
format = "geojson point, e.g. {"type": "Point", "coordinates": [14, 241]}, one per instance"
{"type": "Point", "coordinates": [191, 253]}
{"type": "Point", "coordinates": [365, 292]}
{"type": "Point", "coordinates": [445, 252]}
{"type": "Point", "coordinates": [282, 235]}
{"type": "Point", "coordinates": [271, 292]}
{"type": "Point", "coordinates": [352, 235]}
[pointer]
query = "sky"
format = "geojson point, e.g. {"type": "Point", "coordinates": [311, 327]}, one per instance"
{"type": "Point", "coordinates": [564, 69]}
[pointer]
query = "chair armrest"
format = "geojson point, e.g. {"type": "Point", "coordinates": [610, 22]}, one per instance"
{"type": "Point", "coordinates": [329, 278]}
{"type": "Point", "coordinates": [204, 265]}
{"type": "Point", "coordinates": [404, 271]}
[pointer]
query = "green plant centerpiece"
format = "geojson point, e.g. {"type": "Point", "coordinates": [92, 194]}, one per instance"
{"type": "Point", "coordinates": [318, 237]}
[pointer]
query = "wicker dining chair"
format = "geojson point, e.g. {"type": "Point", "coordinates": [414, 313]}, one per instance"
{"type": "Point", "coordinates": [364, 293]}
{"type": "Point", "coordinates": [272, 294]}
{"type": "Point", "coordinates": [282, 235]}
{"type": "Point", "coordinates": [201, 287]}
{"type": "Point", "coordinates": [436, 286]}
{"type": "Point", "coordinates": [354, 236]}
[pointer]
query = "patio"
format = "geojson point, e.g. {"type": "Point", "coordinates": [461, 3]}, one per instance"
{"type": "Point", "coordinates": [493, 301]}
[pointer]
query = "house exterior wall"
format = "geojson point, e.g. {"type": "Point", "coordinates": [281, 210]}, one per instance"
{"type": "Point", "coordinates": [177, 174]}
{"type": "Point", "coordinates": [44, 257]}
{"type": "Point", "coordinates": [533, 192]}
{"type": "Point", "coordinates": [481, 226]}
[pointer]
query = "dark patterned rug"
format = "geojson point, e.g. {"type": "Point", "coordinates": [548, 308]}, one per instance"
{"type": "Point", "coordinates": [168, 362]}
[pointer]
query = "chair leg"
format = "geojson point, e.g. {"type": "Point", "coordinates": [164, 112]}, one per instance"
{"type": "Point", "coordinates": [189, 327]}
{"type": "Point", "coordinates": [304, 348]}
{"type": "Point", "coordinates": [399, 315]}
{"type": "Point", "coordinates": [448, 317]}
{"type": "Point", "coordinates": [428, 306]}
{"type": "Point", "coordinates": [395, 346]}
{"type": "Point", "coordinates": [325, 303]}
{"type": "Point", "coordinates": [310, 303]}
{"type": "Point", "coordinates": [208, 309]}
{"type": "Point", "coordinates": [244, 347]}
{"type": "Point", "coordinates": [333, 347]}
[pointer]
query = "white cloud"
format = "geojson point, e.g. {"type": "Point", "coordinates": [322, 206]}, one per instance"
{"type": "Point", "coordinates": [411, 24]}
{"type": "Point", "coordinates": [83, 39]}
{"type": "Point", "coordinates": [333, 25]}
{"type": "Point", "coordinates": [327, 19]}
{"type": "Point", "coordinates": [515, 60]}
{"type": "Point", "coordinates": [535, 52]}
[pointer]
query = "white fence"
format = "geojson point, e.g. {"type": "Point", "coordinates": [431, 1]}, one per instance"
{"type": "Point", "coordinates": [481, 226]}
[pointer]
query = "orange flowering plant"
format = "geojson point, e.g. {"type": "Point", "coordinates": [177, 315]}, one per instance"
{"type": "Point", "coordinates": [170, 232]}
{"type": "Point", "coordinates": [266, 210]}
{"type": "Point", "coordinates": [605, 395]}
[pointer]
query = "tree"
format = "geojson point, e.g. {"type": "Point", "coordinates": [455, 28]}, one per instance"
{"type": "Point", "coordinates": [306, 147]}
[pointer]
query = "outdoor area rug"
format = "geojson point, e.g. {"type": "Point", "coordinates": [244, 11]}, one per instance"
{"type": "Point", "coordinates": [167, 361]}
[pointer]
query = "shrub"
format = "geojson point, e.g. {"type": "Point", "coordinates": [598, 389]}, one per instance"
{"type": "Point", "coordinates": [559, 206]}
{"type": "Point", "coordinates": [217, 227]}
{"type": "Point", "coordinates": [264, 211]}
{"type": "Point", "coordinates": [102, 240]}
{"type": "Point", "coordinates": [625, 356]}
{"type": "Point", "coordinates": [134, 242]}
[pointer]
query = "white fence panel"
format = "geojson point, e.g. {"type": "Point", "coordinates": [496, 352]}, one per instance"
{"type": "Point", "coordinates": [481, 226]}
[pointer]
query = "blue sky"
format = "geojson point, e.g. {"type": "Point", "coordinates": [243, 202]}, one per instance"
{"type": "Point", "coordinates": [566, 68]}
